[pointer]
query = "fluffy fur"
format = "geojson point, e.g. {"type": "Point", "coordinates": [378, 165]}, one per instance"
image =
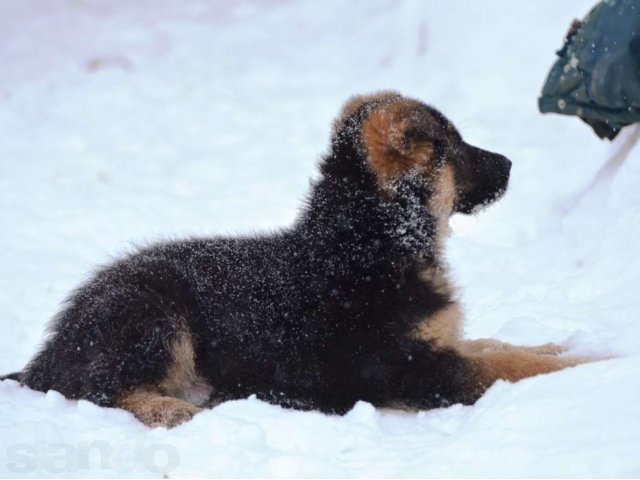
{"type": "Point", "coordinates": [350, 303]}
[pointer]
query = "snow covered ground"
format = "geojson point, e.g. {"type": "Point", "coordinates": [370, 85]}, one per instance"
{"type": "Point", "coordinates": [124, 122]}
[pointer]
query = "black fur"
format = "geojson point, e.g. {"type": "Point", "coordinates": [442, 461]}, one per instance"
{"type": "Point", "coordinates": [317, 316]}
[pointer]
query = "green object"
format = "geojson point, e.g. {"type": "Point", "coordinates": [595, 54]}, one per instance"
{"type": "Point", "coordinates": [597, 74]}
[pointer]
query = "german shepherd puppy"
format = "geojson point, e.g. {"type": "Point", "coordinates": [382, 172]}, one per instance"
{"type": "Point", "coordinates": [352, 302]}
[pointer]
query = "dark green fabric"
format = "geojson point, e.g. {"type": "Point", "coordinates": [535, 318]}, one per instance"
{"type": "Point", "coordinates": [596, 76]}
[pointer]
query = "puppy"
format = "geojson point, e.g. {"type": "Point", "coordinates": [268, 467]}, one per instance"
{"type": "Point", "coordinates": [352, 302]}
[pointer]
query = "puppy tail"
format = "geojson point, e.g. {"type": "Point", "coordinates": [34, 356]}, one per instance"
{"type": "Point", "coordinates": [12, 376]}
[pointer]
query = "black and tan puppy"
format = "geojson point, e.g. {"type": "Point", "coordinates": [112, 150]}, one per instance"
{"type": "Point", "coordinates": [350, 303]}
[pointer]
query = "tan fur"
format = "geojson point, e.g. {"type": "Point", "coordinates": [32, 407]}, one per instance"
{"type": "Point", "coordinates": [516, 363]}
{"type": "Point", "coordinates": [493, 359]}
{"type": "Point", "coordinates": [437, 278]}
{"type": "Point", "coordinates": [388, 151]}
{"type": "Point", "coordinates": [443, 328]}
{"type": "Point", "coordinates": [173, 400]}
{"type": "Point", "coordinates": [442, 202]}
{"type": "Point", "coordinates": [358, 101]}
{"type": "Point", "coordinates": [156, 410]}
{"type": "Point", "coordinates": [484, 345]}
{"type": "Point", "coordinates": [181, 380]}
{"type": "Point", "coordinates": [182, 369]}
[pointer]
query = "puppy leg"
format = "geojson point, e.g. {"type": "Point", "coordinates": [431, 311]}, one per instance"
{"type": "Point", "coordinates": [173, 400]}
{"type": "Point", "coordinates": [156, 410]}
{"type": "Point", "coordinates": [513, 364]}
{"type": "Point", "coordinates": [436, 378]}
{"type": "Point", "coordinates": [421, 377]}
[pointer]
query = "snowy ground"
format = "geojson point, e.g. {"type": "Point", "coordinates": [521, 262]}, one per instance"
{"type": "Point", "coordinates": [124, 122]}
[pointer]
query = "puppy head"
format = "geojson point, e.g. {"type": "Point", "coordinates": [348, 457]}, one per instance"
{"type": "Point", "coordinates": [401, 138]}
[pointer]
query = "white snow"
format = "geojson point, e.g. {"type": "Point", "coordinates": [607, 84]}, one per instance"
{"type": "Point", "coordinates": [124, 122]}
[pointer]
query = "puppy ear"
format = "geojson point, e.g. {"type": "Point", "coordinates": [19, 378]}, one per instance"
{"type": "Point", "coordinates": [359, 102]}
{"type": "Point", "coordinates": [396, 141]}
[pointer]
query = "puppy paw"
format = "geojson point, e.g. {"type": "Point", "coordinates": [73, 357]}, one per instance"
{"type": "Point", "coordinates": [169, 413]}
{"type": "Point", "coordinates": [547, 349]}
{"type": "Point", "coordinates": [155, 410]}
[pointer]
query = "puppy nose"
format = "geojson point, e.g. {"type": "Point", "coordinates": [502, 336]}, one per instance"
{"type": "Point", "coordinates": [503, 166]}
{"type": "Point", "coordinates": [503, 162]}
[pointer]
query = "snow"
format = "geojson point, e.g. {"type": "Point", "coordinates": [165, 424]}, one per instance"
{"type": "Point", "coordinates": [122, 122]}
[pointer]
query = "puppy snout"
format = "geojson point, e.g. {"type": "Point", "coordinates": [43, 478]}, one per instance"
{"type": "Point", "coordinates": [496, 162]}
{"type": "Point", "coordinates": [483, 178]}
